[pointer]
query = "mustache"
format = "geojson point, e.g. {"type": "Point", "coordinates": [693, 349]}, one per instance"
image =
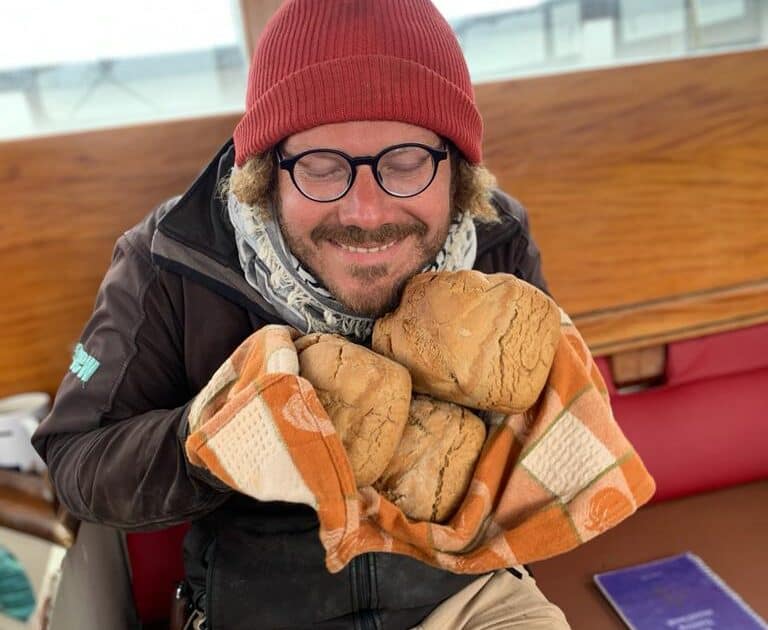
{"type": "Point", "coordinates": [354, 235]}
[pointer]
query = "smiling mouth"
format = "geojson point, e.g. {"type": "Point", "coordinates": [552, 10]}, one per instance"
{"type": "Point", "coordinates": [366, 250]}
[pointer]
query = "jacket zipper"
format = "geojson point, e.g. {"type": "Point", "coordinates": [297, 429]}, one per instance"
{"type": "Point", "coordinates": [361, 568]}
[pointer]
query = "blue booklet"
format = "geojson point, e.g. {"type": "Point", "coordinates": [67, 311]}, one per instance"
{"type": "Point", "coordinates": [676, 593]}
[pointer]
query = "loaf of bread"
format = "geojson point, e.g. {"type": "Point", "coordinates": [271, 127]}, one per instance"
{"type": "Point", "coordinates": [432, 467]}
{"type": "Point", "coordinates": [366, 396]}
{"type": "Point", "coordinates": [483, 341]}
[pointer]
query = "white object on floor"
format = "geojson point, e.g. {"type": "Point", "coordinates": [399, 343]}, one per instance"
{"type": "Point", "coordinates": [19, 417]}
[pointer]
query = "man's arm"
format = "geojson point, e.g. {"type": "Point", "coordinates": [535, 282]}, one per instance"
{"type": "Point", "coordinates": [114, 439]}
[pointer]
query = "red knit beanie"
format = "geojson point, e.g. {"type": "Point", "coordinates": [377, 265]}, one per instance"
{"type": "Point", "coordinates": [325, 61]}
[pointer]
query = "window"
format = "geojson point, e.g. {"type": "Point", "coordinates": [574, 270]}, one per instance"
{"type": "Point", "coordinates": [88, 63]}
{"type": "Point", "coordinates": [512, 38]}
{"type": "Point", "coordinates": [83, 64]}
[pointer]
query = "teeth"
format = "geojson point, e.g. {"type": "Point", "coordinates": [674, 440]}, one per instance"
{"type": "Point", "coordinates": [366, 250]}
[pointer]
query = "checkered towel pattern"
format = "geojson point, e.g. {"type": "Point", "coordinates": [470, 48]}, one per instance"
{"type": "Point", "coordinates": [546, 481]}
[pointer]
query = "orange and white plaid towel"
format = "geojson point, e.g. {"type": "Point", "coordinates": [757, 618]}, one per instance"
{"type": "Point", "coordinates": [546, 481]}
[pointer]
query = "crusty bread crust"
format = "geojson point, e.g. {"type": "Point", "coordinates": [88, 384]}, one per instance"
{"type": "Point", "coordinates": [432, 467]}
{"type": "Point", "coordinates": [483, 341]}
{"type": "Point", "coordinates": [366, 395]}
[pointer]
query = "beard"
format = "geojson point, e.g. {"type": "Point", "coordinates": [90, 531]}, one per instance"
{"type": "Point", "coordinates": [376, 288]}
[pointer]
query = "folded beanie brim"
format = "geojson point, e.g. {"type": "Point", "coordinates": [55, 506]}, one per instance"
{"type": "Point", "coordinates": [362, 87]}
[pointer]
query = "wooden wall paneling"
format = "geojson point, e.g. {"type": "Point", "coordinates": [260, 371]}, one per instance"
{"type": "Point", "coordinates": [673, 318]}
{"type": "Point", "coordinates": [65, 200]}
{"type": "Point", "coordinates": [638, 369]}
{"type": "Point", "coordinates": [646, 187]}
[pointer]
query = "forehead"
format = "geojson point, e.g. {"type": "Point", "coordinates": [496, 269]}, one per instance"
{"type": "Point", "coordinates": [359, 137]}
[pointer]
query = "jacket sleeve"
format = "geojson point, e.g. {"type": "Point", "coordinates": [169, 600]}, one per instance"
{"type": "Point", "coordinates": [114, 440]}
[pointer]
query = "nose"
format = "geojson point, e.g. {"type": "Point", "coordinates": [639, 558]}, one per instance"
{"type": "Point", "coordinates": [365, 205]}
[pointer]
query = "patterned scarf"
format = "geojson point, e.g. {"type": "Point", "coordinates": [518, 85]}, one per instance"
{"type": "Point", "coordinates": [300, 299]}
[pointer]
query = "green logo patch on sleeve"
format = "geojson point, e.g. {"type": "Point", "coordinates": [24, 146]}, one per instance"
{"type": "Point", "coordinates": [83, 364]}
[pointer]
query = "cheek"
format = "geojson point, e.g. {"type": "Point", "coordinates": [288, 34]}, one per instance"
{"type": "Point", "coordinates": [299, 215]}
{"type": "Point", "coordinates": [434, 208]}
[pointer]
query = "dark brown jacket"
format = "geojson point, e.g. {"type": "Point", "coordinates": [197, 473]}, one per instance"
{"type": "Point", "coordinates": [172, 307]}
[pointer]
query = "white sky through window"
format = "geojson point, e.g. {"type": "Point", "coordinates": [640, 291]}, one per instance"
{"type": "Point", "coordinates": [453, 9]}
{"type": "Point", "coordinates": [43, 32]}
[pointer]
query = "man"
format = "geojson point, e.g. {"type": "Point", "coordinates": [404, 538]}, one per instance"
{"type": "Point", "coordinates": [355, 166]}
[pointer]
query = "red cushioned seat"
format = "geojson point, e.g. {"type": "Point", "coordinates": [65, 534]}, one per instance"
{"type": "Point", "coordinates": [723, 354]}
{"type": "Point", "coordinates": [157, 565]}
{"type": "Point", "coordinates": [704, 427]}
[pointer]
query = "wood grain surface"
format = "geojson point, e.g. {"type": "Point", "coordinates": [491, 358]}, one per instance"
{"type": "Point", "coordinates": [645, 184]}
{"type": "Point", "coordinates": [646, 187]}
{"type": "Point", "coordinates": [27, 505]}
{"type": "Point", "coordinates": [640, 368]}
{"type": "Point", "coordinates": [65, 200]}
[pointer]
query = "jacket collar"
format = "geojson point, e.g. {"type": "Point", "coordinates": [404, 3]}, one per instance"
{"type": "Point", "coordinates": [195, 239]}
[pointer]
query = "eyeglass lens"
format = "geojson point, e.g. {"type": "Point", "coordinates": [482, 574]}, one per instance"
{"type": "Point", "coordinates": [402, 171]}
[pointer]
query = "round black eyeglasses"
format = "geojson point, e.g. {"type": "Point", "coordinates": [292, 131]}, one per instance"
{"type": "Point", "coordinates": [402, 170]}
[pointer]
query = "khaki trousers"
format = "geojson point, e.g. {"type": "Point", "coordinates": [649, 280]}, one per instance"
{"type": "Point", "coordinates": [495, 601]}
